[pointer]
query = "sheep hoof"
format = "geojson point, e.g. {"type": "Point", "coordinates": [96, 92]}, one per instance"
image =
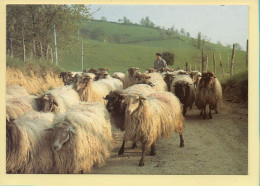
{"type": "Point", "coordinates": [141, 163]}
{"type": "Point", "coordinates": [134, 146]}
{"type": "Point", "coordinates": [121, 152]}
{"type": "Point", "coordinates": [182, 145]}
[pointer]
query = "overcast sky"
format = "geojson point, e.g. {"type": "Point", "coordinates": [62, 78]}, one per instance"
{"type": "Point", "coordinates": [227, 24]}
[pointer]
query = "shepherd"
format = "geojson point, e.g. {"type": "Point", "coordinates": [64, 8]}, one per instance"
{"type": "Point", "coordinates": [159, 62]}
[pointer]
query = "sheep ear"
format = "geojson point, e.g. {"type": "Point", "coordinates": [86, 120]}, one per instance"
{"type": "Point", "coordinates": [71, 129]}
{"type": "Point", "coordinates": [55, 103]}
{"type": "Point", "coordinates": [106, 98]}
{"type": "Point", "coordinates": [49, 129]}
{"type": "Point", "coordinates": [142, 98]}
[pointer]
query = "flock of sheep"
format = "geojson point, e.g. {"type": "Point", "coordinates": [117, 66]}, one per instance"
{"type": "Point", "coordinates": [68, 129]}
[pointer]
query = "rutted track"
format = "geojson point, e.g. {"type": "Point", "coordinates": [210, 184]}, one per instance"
{"type": "Point", "coordinates": [212, 146]}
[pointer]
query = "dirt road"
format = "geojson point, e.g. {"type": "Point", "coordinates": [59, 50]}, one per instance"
{"type": "Point", "coordinates": [217, 146]}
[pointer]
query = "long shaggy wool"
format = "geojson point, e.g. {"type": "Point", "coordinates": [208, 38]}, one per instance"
{"type": "Point", "coordinates": [158, 81]}
{"type": "Point", "coordinates": [156, 117]}
{"type": "Point", "coordinates": [16, 107]}
{"type": "Point", "coordinates": [93, 140]}
{"type": "Point", "coordinates": [182, 80]}
{"type": "Point", "coordinates": [211, 95]}
{"type": "Point", "coordinates": [28, 148]}
{"type": "Point", "coordinates": [129, 80]}
{"type": "Point", "coordinates": [65, 96]}
{"type": "Point", "coordinates": [119, 75]}
{"type": "Point", "coordinates": [14, 91]}
{"type": "Point", "coordinates": [95, 91]}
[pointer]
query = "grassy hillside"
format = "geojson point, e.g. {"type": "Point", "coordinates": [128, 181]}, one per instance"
{"type": "Point", "coordinates": [138, 49]}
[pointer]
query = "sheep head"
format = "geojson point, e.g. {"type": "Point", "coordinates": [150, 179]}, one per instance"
{"type": "Point", "coordinates": [103, 69]}
{"type": "Point", "coordinates": [81, 82]}
{"type": "Point", "coordinates": [92, 70]}
{"type": "Point", "coordinates": [141, 77]}
{"type": "Point", "coordinates": [182, 90]}
{"type": "Point", "coordinates": [115, 100]}
{"type": "Point", "coordinates": [101, 75]}
{"type": "Point", "coordinates": [168, 78]}
{"type": "Point", "coordinates": [47, 103]}
{"type": "Point", "coordinates": [60, 134]}
{"type": "Point", "coordinates": [133, 71]}
{"type": "Point", "coordinates": [133, 101]}
{"type": "Point", "coordinates": [151, 70]}
{"type": "Point", "coordinates": [207, 80]}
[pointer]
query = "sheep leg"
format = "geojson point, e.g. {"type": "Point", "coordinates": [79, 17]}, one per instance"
{"type": "Point", "coordinates": [201, 111]}
{"type": "Point", "coordinates": [134, 145]}
{"type": "Point", "coordinates": [210, 116]}
{"type": "Point", "coordinates": [184, 110]}
{"type": "Point", "coordinates": [204, 112]}
{"type": "Point", "coordinates": [153, 149]}
{"type": "Point", "coordinates": [141, 162]}
{"type": "Point", "coordinates": [122, 148]}
{"type": "Point", "coordinates": [181, 141]}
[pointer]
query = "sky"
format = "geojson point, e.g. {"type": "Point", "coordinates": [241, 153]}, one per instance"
{"type": "Point", "coordinates": [227, 24]}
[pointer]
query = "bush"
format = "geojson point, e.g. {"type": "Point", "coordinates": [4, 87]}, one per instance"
{"type": "Point", "coordinates": [168, 57]}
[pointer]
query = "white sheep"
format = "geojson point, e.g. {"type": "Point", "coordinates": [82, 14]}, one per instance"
{"type": "Point", "coordinates": [130, 78]}
{"type": "Point", "coordinates": [58, 99]}
{"type": "Point", "coordinates": [116, 106]}
{"type": "Point", "coordinates": [158, 82]}
{"type": "Point", "coordinates": [149, 118]}
{"type": "Point", "coordinates": [16, 107]}
{"type": "Point", "coordinates": [119, 75]}
{"type": "Point", "coordinates": [81, 138]}
{"type": "Point", "coordinates": [28, 147]}
{"type": "Point", "coordinates": [182, 86]}
{"type": "Point", "coordinates": [209, 92]}
{"type": "Point", "coordinates": [95, 91]}
{"type": "Point", "coordinates": [14, 91]}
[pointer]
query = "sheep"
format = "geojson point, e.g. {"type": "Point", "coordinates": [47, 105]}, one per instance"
{"type": "Point", "coordinates": [58, 99]}
{"type": "Point", "coordinates": [182, 86]}
{"type": "Point", "coordinates": [16, 107]}
{"type": "Point", "coordinates": [119, 75]}
{"type": "Point", "coordinates": [150, 70]}
{"type": "Point", "coordinates": [81, 138]}
{"type": "Point", "coordinates": [168, 78]}
{"type": "Point", "coordinates": [92, 70]}
{"type": "Point", "coordinates": [28, 148]}
{"type": "Point", "coordinates": [165, 70]}
{"type": "Point", "coordinates": [149, 118]}
{"type": "Point", "coordinates": [14, 91]}
{"type": "Point", "coordinates": [95, 91]}
{"type": "Point", "coordinates": [158, 82]}
{"type": "Point", "coordinates": [209, 92]}
{"type": "Point", "coordinates": [116, 106]}
{"type": "Point", "coordinates": [130, 77]}
{"type": "Point", "coordinates": [67, 77]}
{"type": "Point", "coordinates": [194, 75]}
{"type": "Point", "coordinates": [102, 75]}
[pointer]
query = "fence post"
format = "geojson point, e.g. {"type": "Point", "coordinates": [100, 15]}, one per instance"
{"type": "Point", "coordinates": [195, 65]}
{"type": "Point", "coordinates": [187, 66]}
{"type": "Point", "coordinates": [232, 60]}
{"type": "Point", "coordinates": [51, 55]}
{"type": "Point", "coordinates": [47, 52]}
{"type": "Point", "coordinates": [190, 67]}
{"type": "Point", "coordinates": [82, 56]}
{"type": "Point", "coordinates": [55, 45]}
{"type": "Point", "coordinates": [221, 65]}
{"type": "Point", "coordinates": [247, 53]}
{"type": "Point", "coordinates": [23, 47]}
{"type": "Point", "coordinates": [207, 63]}
{"type": "Point", "coordinates": [214, 63]}
{"type": "Point", "coordinates": [202, 61]}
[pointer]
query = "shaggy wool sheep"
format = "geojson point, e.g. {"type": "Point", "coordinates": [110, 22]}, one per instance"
{"type": "Point", "coordinates": [150, 70]}
{"type": "Point", "coordinates": [95, 91]}
{"type": "Point", "coordinates": [58, 99]}
{"type": "Point", "coordinates": [119, 75]}
{"type": "Point", "coordinates": [158, 82]}
{"type": "Point", "coordinates": [102, 75]}
{"type": "Point", "coordinates": [81, 138]}
{"type": "Point", "coordinates": [130, 79]}
{"type": "Point", "coordinates": [14, 91]}
{"type": "Point", "coordinates": [16, 107]}
{"type": "Point", "coordinates": [28, 148]}
{"type": "Point", "coordinates": [168, 78]}
{"type": "Point", "coordinates": [149, 118]}
{"type": "Point", "coordinates": [182, 86]}
{"type": "Point", "coordinates": [209, 92]}
{"type": "Point", "coordinates": [117, 107]}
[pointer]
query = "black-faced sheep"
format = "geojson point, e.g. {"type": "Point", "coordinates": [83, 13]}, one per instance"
{"type": "Point", "coordinates": [58, 99]}
{"type": "Point", "coordinates": [149, 118]}
{"type": "Point", "coordinates": [81, 138]}
{"type": "Point", "coordinates": [95, 91]}
{"type": "Point", "coordinates": [182, 86]}
{"type": "Point", "coordinates": [209, 92]}
{"type": "Point", "coordinates": [117, 107]}
{"type": "Point", "coordinates": [28, 147]}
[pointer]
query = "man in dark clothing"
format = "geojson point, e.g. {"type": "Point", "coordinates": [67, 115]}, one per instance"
{"type": "Point", "coordinates": [159, 62]}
